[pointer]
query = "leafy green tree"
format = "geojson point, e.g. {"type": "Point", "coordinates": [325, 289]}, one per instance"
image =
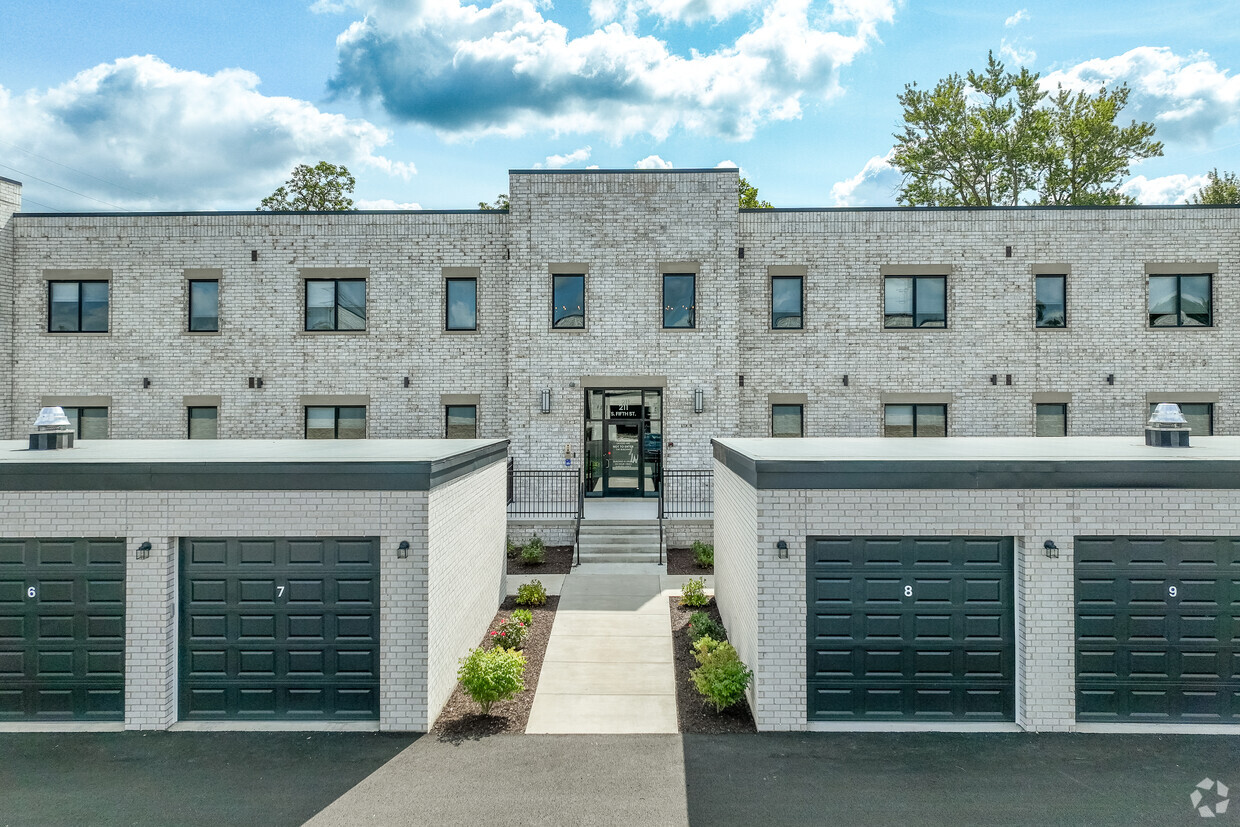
{"type": "Point", "coordinates": [995, 138]}
{"type": "Point", "coordinates": [1218, 190]}
{"type": "Point", "coordinates": [322, 187]}
{"type": "Point", "coordinates": [749, 197]}
{"type": "Point", "coordinates": [501, 203]}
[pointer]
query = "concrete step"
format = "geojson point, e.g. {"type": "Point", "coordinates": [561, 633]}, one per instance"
{"type": "Point", "coordinates": [620, 550]}
{"type": "Point", "coordinates": [619, 557]}
{"type": "Point", "coordinates": [621, 539]}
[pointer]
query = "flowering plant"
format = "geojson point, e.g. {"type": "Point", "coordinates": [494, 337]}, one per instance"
{"type": "Point", "coordinates": [510, 634]}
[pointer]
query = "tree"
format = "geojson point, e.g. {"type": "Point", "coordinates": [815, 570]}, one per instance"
{"type": "Point", "coordinates": [996, 138]}
{"type": "Point", "coordinates": [322, 187]}
{"type": "Point", "coordinates": [1224, 190]}
{"type": "Point", "coordinates": [749, 197]}
{"type": "Point", "coordinates": [501, 203]}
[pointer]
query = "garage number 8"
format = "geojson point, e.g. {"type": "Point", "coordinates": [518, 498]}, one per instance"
{"type": "Point", "coordinates": [1172, 591]}
{"type": "Point", "coordinates": [908, 591]}
{"type": "Point", "coordinates": [30, 592]}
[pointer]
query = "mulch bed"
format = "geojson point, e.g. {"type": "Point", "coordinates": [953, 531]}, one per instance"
{"type": "Point", "coordinates": [695, 714]}
{"type": "Point", "coordinates": [680, 561]}
{"type": "Point", "coordinates": [460, 719]}
{"type": "Point", "coordinates": [559, 561]}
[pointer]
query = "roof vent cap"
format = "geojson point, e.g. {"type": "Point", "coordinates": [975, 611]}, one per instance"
{"type": "Point", "coordinates": [1167, 415]}
{"type": "Point", "coordinates": [1167, 427]}
{"type": "Point", "coordinates": [52, 430]}
{"type": "Point", "coordinates": [52, 419]}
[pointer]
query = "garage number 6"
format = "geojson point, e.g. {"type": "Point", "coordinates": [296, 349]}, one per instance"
{"type": "Point", "coordinates": [1172, 591]}
{"type": "Point", "coordinates": [908, 591]}
{"type": "Point", "coordinates": [30, 592]}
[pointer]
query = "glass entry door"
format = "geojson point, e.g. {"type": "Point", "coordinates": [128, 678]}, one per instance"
{"type": "Point", "coordinates": [624, 442]}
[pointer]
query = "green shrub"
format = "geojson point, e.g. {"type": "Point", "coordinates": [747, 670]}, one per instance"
{"type": "Point", "coordinates": [524, 615]}
{"type": "Point", "coordinates": [492, 675]}
{"type": "Point", "coordinates": [510, 634]}
{"type": "Point", "coordinates": [513, 549]}
{"type": "Point", "coordinates": [703, 646]}
{"type": "Point", "coordinates": [694, 593]}
{"type": "Point", "coordinates": [534, 553]}
{"type": "Point", "coordinates": [703, 625]}
{"type": "Point", "coordinates": [704, 555]}
{"type": "Point", "coordinates": [531, 594]}
{"type": "Point", "coordinates": [721, 678]}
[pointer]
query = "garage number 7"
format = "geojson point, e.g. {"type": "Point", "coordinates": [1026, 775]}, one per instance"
{"type": "Point", "coordinates": [279, 591]}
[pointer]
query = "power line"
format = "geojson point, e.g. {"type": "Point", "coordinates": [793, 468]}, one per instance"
{"type": "Point", "coordinates": [74, 169]}
{"type": "Point", "coordinates": [41, 204]}
{"type": "Point", "coordinates": [66, 189]}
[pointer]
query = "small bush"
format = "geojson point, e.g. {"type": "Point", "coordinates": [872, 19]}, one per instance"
{"type": "Point", "coordinates": [703, 625]}
{"type": "Point", "coordinates": [721, 678]}
{"type": "Point", "coordinates": [513, 549]}
{"type": "Point", "coordinates": [524, 615]}
{"type": "Point", "coordinates": [534, 553]}
{"type": "Point", "coordinates": [704, 555]}
{"type": "Point", "coordinates": [703, 646]}
{"type": "Point", "coordinates": [531, 594]}
{"type": "Point", "coordinates": [694, 593]}
{"type": "Point", "coordinates": [510, 634]}
{"type": "Point", "coordinates": [492, 675]}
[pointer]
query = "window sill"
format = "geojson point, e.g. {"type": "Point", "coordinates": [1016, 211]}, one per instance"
{"type": "Point", "coordinates": [201, 332]}
{"type": "Point", "coordinates": [473, 332]}
{"type": "Point", "coordinates": [334, 332]}
{"type": "Point", "coordinates": [1182, 328]}
{"type": "Point", "coordinates": [95, 333]}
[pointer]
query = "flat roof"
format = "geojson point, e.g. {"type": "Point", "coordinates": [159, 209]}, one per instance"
{"type": "Point", "coordinates": [981, 462]}
{"type": "Point", "coordinates": [245, 464]}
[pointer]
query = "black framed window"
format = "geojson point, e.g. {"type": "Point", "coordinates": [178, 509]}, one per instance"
{"type": "Point", "coordinates": [1200, 416]}
{"type": "Point", "coordinates": [460, 421]}
{"type": "Point", "coordinates": [461, 304]}
{"type": "Point", "coordinates": [1050, 419]}
{"type": "Point", "coordinates": [915, 301]}
{"type": "Point", "coordinates": [335, 304]}
{"type": "Point", "coordinates": [1050, 303]}
{"type": "Point", "coordinates": [787, 302]}
{"type": "Point", "coordinates": [914, 420]}
{"type": "Point", "coordinates": [203, 422]}
{"type": "Point", "coordinates": [788, 420]}
{"type": "Point", "coordinates": [204, 306]}
{"type": "Point", "coordinates": [1181, 301]}
{"type": "Point", "coordinates": [335, 422]}
{"type": "Point", "coordinates": [568, 302]}
{"type": "Point", "coordinates": [679, 300]}
{"type": "Point", "coordinates": [88, 422]}
{"type": "Point", "coordinates": [77, 307]}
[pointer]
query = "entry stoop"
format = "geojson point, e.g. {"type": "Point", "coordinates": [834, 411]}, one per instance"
{"type": "Point", "coordinates": [619, 541]}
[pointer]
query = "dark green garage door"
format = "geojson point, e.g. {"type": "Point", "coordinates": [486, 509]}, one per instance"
{"type": "Point", "coordinates": [279, 628]}
{"type": "Point", "coordinates": [1158, 629]}
{"type": "Point", "coordinates": [911, 628]}
{"type": "Point", "coordinates": [62, 630]}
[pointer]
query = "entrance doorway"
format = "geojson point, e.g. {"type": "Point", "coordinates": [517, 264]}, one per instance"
{"type": "Point", "coordinates": [624, 442]}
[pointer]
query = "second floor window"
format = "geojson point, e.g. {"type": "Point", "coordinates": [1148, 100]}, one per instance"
{"type": "Point", "coordinates": [335, 304]}
{"type": "Point", "coordinates": [461, 311]}
{"type": "Point", "coordinates": [1200, 416]}
{"type": "Point", "coordinates": [915, 301]}
{"type": "Point", "coordinates": [336, 422]}
{"type": "Point", "coordinates": [1050, 302]}
{"type": "Point", "coordinates": [461, 421]}
{"type": "Point", "coordinates": [787, 420]}
{"type": "Point", "coordinates": [568, 302]}
{"type": "Point", "coordinates": [88, 423]}
{"type": "Point", "coordinates": [679, 300]}
{"type": "Point", "coordinates": [914, 420]}
{"type": "Point", "coordinates": [204, 306]}
{"type": "Point", "coordinates": [1180, 301]}
{"type": "Point", "coordinates": [203, 422]}
{"type": "Point", "coordinates": [77, 307]}
{"type": "Point", "coordinates": [1050, 419]}
{"type": "Point", "coordinates": [787, 298]}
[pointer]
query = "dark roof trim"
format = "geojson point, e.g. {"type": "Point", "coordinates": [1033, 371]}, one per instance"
{"type": "Point", "coordinates": [1031, 208]}
{"type": "Point", "coordinates": [248, 476]}
{"type": "Point", "coordinates": [10, 181]}
{"type": "Point", "coordinates": [252, 213]}
{"type": "Point", "coordinates": [974, 475]}
{"type": "Point", "coordinates": [619, 171]}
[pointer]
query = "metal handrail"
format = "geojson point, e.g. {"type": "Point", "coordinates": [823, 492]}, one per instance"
{"type": "Point", "coordinates": [581, 506]}
{"type": "Point", "coordinates": [545, 494]}
{"type": "Point", "coordinates": [688, 493]}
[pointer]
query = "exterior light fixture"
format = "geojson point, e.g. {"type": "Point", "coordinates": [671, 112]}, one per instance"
{"type": "Point", "coordinates": [402, 550]}
{"type": "Point", "coordinates": [144, 551]}
{"type": "Point", "coordinates": [146, 383]}
{"type": "Point", "coordinates": [544, 400]}
{"type": "Point", "coordinates": [782, 546]}
{"type": "Point", "coordinates": [697, 401]}
{"type": "Point", "coordinates": [1050, 549]}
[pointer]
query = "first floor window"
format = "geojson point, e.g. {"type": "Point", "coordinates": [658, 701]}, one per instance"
{"type": "Point", "coordinates": [461, 421]}
{"type": "Point", "coordinates": [1200, 416]}
{"type": "Point", "coordinates": [679, 300]}
{"type": "Point", "coordinates": [568, 302]}
{"type": "Point", "coordinates": [1050, 302]}
{"type": "Point", "coordinates": [77, 307]}
{"type": "Point", "coordinates": [336, 422]}
{"type": "Point", "coordinates": [787, 298]}
{"type": "Point", "coordinates": [204, 306]}
{"type": "Point", "coordinates": [914, 420]}
{"type": "Point", "coordinates": [88, 423]}
{"type": "Point", "coordinates": [787, 420]}
{"type": "Point", "coordinates": [461, 312]}
{"type": "Point", "coordinates": [1180, 301]}
{"type": "Point", "coordinates": [1050, 419]}
{"type": "Point", "coordinates": [335, 304]}
{"type": "Point", "coordinates": [203, 422]}
{"type": "Point", "coordinates": [915, 301]}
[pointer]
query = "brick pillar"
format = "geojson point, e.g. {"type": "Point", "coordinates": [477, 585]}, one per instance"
{"type": "Point", "coordinates": [403, 616]}
{"type": "Point", "coordinates": [150, 633]}
{"type": "Point", "coordinates": [1047, 591]}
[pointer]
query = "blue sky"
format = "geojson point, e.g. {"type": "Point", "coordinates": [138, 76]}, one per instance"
{"type": "Point", "coordinates": [145, 104]}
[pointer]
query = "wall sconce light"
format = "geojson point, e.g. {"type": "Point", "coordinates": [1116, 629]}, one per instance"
{"type": "Point", "coordinates": [1050, 549]}
{"type": "Point", "coordinates": [846, 380]}
{"type": "Point", "coordinates": [544, 400]}
{"type": "Point", "coordinates": [143, 552]}
{"type": "Point", "coordinates": [1110, 378]}
{"type": "Point", "coordinates": [146, 383]}
{"type": "Point", "coordinates": [697, 401]}
{"type": "Point", "coordinates": [782, 546]}
{"type": "Point", "coordinates": [402, 550]}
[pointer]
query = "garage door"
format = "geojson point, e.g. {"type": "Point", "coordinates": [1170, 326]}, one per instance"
{"type": "Point", "coordinates": [62, 630]}
{"type": "Point", "coordinates": [911, 628]}
{"type": "Point", "coordinates": [1158, 629]}
{"type": "Point", "coordinates": [279, 628]}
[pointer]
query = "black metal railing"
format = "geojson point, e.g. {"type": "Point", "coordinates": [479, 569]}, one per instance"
{"type": "Point", "coordinates": [556, 495]}
{"type": "Point", "coordinates": [686, 495]}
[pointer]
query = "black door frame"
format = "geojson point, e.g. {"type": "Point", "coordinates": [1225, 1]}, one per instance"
{"type": "Point", "coordinates": [644, 471]}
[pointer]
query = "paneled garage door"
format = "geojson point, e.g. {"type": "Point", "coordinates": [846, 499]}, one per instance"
{"type": "Point", "coordinates": [279, 628]}
{"type": "Point", "coordinates": [911, 628]}
{"type": "Point", "coordinates": [62, 629]}
{"type": "Point", "coordinates": [1158, 629]}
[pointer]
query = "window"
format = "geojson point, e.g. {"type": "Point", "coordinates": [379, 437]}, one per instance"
{"type": "Point", "coordinates": [203, 422]}
{"type": "Point", "coordinates": [88, 423]}
{"type": "Point", "coordinates": [915, 301]}
{"type": "Point", "coordinates": [461, 421]}
{"type": "Point", "coordinates": [204, 306]}
{"type": "Point", "coordinates": [679, 301]}
{"type": "Point", "coordinates": [1200, 416]}
{"type": "Point", "coordinates": [1180, 301]}
{"type": "Point", "coordinates": [335, 304]}
{"type": "Point", "coordinates": [915, 420]}
{"type": "Point", "coordinates": [1050, 302]}
{"type": "Point", "coordinates": [336, 422]}
{"type": "Point", "coordinates": [1050, 419]}
{"type": "Point", "coordinates": [77, 307]}
{"type": "Point", "coordinates": [787, 420]}
{"type": "Point", "coordinates": [461, 305]}
{"type": "Point", "coordinates": [568, 302]}
{"type": "Point", "coordinates": [787, 299]}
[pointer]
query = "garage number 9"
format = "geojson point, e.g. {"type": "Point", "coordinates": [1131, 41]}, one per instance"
{"type": "Point", "coordinates": [908, 591]}
{"type": "Point", "coordinates": [30, 592]}
{"type": "Point", "coordinates": [1172, 591]}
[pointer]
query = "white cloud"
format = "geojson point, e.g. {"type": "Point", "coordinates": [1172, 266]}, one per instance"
{"type": "Point", "coordinates": [1019, 17]}
{"type": "Point", "coordinates": [1186, 97]}
{"type": "Point", "coordinates": [726, 165]}
{"type": "Point", "coordinates": [652, 162]}
{"type": "Point", "coordinates": [506, 68]}
{"type": "Point", "coordinates": [184, 140]}
{"type": "Point", "coordinates": [667, 11]}
{"type": "Point", "coordinates": [385, 204]}
{"type": "Point", "coordinates": [561, 161]}
{"type": "Point", "coordinates": [1168, 189]}
{"type": "Point", "coordinates": [1015, 53]}
{"type": "Point", "coordinates": [328, 6]}
{"type": "Point", "coordinates": [875, 185]}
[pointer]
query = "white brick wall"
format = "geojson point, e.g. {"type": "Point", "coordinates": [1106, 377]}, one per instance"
{"type": "Point", "coordinates": [10, 202]}
{"type": "Point", "coordinates": [737, 587]}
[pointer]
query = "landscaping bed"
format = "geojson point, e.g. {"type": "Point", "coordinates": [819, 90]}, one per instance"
{"type": "Point", "coordinates": [680, 561]}
{"type": "Point", "coordinates": [559, 561]}
{"type": "Point", "coordinates": [461, 720]}
{"type": "Point", "coordinates": [692, 710]}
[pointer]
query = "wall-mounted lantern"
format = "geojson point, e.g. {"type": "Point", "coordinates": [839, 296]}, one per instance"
{"type": "Point", "coordinates": [544, 400]}
{"type": "Point", "coordinates": [1050, 549]}
{"type": "Point", "coordinates": [402, 550]}
{"type": "Point", "coordinates": [697, 401]}
{"type": "Point", "coordinates": [782, 547]}
{"type": "Point", "coordinates": [143, 552]}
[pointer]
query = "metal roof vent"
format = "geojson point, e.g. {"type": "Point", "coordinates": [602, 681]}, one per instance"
{"type": "Point", "coordinates": [1167, 427]}
{"type": "Point", "coordinates": [52, 429]}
